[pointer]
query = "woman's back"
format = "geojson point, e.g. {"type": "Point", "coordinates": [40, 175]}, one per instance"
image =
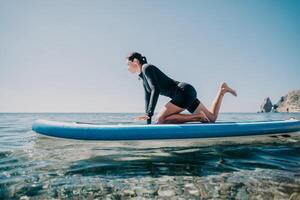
{"type": "Point", "coordinates": [155, 78]}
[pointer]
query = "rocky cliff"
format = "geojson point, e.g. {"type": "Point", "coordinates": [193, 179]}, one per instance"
{"type": "Point", "coordinates": [289, 102]}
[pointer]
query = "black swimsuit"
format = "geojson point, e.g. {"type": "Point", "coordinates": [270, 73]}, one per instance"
{"type": "Point", "coordinates": [155, 82]}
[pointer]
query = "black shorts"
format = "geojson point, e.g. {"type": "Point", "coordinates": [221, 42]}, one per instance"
{"type": "Point", "coordinates": [186, 97]}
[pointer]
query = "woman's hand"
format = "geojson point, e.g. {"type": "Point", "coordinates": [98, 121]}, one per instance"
{"type": "Point", "coordinates": [144, 117]}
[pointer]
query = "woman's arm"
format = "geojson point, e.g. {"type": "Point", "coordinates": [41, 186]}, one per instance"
{"type": "Point", "coordinates": [151, 78]}
{"type": "Point", "coordinates": [153, 101]}
{"type": "Point", "coordinates": [147, 99]}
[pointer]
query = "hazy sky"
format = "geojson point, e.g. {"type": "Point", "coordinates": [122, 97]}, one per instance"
{"type": "Point", "coordinates": [69, 56]}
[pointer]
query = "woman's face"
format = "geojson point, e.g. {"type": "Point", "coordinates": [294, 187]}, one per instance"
{"type": "Point", "coordinates": [133, 66]}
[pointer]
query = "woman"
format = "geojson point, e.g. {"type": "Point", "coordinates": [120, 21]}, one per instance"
{"type": "Point", "coordinates": [183, 95]}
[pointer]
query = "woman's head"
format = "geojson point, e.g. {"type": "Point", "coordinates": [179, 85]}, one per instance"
{"type": "Point", "coordinates": [135, 61]}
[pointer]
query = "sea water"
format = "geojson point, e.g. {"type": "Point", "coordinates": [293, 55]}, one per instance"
{"type": "Point", "coordinates": [33, 166]}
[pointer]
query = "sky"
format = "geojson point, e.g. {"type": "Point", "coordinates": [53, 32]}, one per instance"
{"type": "Point", "coordinates": [69, 56]}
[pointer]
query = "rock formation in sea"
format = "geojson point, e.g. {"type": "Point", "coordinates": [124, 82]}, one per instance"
{"type": "Point", "coordinates": [266, 106]}
{"type": "Point", "coordinates": [289, 102]}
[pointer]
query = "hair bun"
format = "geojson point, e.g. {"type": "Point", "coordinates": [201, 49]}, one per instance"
{"type": "Point", "coordinates": [136, 55]}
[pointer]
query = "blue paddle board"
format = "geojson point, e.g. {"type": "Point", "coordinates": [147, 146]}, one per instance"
{"type": "Point", "coordinates": [89, 131]}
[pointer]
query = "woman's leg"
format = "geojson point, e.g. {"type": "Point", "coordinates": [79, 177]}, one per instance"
{"type": "Point", "coordinates": [170, 115]}
{"type": "Point", "coordinates": [213, 113]}
{"type": "Point", "coordinates": [182, 118]}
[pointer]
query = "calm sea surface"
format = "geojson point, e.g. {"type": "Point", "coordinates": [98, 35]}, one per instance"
{"type": "Point", "coordinates": [38, 167]}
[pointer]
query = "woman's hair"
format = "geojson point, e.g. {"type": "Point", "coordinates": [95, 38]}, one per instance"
{"type": "Point", "coordinates": [138, 56]}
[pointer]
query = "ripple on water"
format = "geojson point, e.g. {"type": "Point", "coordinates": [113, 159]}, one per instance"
{"type": "Point", "coordinates": [38, 167]}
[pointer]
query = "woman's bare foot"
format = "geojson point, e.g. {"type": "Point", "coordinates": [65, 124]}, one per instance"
{"type": "Point", "coordinates": [225, 88]}
{"type": "Point", "coordinates": [203, 118]}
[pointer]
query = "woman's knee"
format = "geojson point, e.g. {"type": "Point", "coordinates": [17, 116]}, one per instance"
{"type": "Point", "coordinates": [160, 119]}
{"type": "Point", "coordinates": [211, 116]}
{"type": "Point", "coordinates": [212, 119]}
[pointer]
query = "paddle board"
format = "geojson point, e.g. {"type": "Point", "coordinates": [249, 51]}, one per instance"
{"type": "Point", "coordinates": [90, 131]}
